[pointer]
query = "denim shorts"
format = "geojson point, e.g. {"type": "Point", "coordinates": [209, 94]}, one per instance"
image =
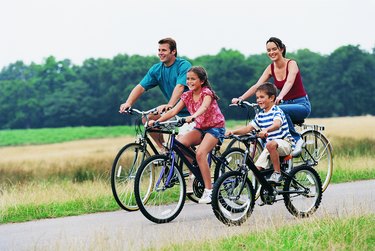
{"type": "Point", "coordinates": [217, 132]}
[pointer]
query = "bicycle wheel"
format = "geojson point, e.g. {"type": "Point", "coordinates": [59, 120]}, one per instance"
{"type": "Point", "coordinates": [232, 198]}
{"type": "Point", "coordinates": [318, 153]}
{"type": "Point", "coordinates": [158, 200]}
{"type": "Point", "coordinates": [234, 158]}
{"type": "Point", "coordinates": [304, 189]}
{"type": "Point", "coordinates": [123, 172]}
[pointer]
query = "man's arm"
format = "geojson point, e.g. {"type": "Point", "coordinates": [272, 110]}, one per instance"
{"type": "Point", "coordinates": [133, 96]}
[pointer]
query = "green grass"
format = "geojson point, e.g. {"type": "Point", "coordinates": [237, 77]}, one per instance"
{"type": "Point", "coordinates": [22, 213]}
{"type": "Point", "coordinates": [58, 135]}
{"type": "Point", "coordinates": [350, 233]}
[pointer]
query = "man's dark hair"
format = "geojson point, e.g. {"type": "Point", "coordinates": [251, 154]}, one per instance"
{"type": "Point", "coordinates": [269, 89]}
{"type": "Point", "coordinates": [171, 42]}
{"type": "Point", "coordinates": [278, 43]}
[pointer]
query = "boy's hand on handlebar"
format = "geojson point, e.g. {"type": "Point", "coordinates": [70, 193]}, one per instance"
{"type": "Point", "coordinates": [263, 134]}
{"type": "Point", "coordinates": [151, 122]}
{"type": "Point", "coordinates": [228, 133]}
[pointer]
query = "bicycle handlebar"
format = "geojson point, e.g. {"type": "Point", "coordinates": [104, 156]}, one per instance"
{"type": "Point", "coordinates": [131, 111]}
{"type": "Point", "coordinates": [176, 122]}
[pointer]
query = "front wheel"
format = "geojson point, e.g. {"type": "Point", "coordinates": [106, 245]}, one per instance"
{"type": "Point", "coordinates": [233, 198]}
{"type": "Point", "coordinates": [302, 191]}
{"type": "Point", "coordinates": [159, 197]}
{"type": "Point", "coordinates": [124, 168]}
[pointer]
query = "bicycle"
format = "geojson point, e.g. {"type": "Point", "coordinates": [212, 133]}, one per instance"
{"type": "Point", "coordinates": [317, 149]}
{"type": "Point", "coordinates": [159, 185]}
{"type": "Point", "coordinates": [129, 158]}
{"type": "Point", "coordinates": [233, 195]}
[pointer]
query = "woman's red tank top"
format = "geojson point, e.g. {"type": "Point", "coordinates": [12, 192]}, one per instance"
{"type": "Point", "coordinates": [297, 90]}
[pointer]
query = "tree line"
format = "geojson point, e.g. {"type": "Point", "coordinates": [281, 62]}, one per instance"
{"type": "Point", "coordinates": [59, 93]}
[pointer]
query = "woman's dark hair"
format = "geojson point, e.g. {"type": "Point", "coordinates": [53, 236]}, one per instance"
{"type": "Point", "coordinates": [278, 43]}
{"type": "Point", "coordinates": [269, 89]}
{"type": "Point", "coordinates": [172, 43]}
{"type": "Point", "coordinates": [203, 76]}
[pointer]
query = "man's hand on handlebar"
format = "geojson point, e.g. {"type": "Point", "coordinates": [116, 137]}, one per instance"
{"type": "Point", "coordinates": [123, 107]}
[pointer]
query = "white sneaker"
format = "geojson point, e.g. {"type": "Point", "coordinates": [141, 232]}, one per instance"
{"type": "Point", "coordinates": [275, 177]}
{"type": "Point", "coordinates": [206, 197]}
{"type": "Point", "coordinates": [297, 150]}
{"type": "Point", "coordinates": [190, 184]}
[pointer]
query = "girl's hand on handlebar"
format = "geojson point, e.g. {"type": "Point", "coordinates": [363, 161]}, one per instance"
{"type": "Point", "coordinates": [189, 119]}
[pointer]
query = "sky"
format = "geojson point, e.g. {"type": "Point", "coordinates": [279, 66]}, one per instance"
{"type": "Point", "coordinates": [32, 30]}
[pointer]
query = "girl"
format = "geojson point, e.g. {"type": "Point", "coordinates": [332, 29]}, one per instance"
{"type": "Point", "coordinates": [201, 102]}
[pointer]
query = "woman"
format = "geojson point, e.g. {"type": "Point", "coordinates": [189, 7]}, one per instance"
{"type": "Point", "coordinates": [292, 98]}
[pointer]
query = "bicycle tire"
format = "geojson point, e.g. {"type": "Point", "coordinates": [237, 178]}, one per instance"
{"type": "Point", "coordinates": [228, 206]}
{"type": "Point", "coordinates": [158, 201]}
{"type": "Point", "coordinates": [234, 157]}
{"type": "Point", "coordinates": [303, 178]}
{"type": "Point", "coordinates": [124, 169]}
{"type": "Point", "coordinates": [321, 150]}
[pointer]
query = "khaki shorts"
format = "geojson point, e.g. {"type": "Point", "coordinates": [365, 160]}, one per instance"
{"type": "Point", "coordinates": [283, 148]}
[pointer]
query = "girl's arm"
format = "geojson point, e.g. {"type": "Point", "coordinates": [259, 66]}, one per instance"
{"type": "Point", "coordinates": [251, 91]}
{"type": "Point", "coordinates": [173, 112]}
{"type": "Point", "coordinates": [202, 109]}
{"type": "Point", "coordinates": [293, 70]}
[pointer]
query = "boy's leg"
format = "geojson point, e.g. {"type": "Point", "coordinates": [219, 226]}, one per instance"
{"type": "Point", "coordinates": [274, 155]}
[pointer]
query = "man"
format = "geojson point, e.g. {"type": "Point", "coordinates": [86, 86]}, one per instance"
{"type": "Point", "coordinates": [170, 75]}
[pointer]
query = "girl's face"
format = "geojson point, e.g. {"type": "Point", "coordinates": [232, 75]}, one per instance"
{"type": "Point", "coordinates": [193, 81]}
{"type": "Point", "coordinates": [264, 101]}
{"type": "Point", "coordinates": [273, 51]}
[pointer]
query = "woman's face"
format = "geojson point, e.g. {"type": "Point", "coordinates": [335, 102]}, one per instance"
{"type": "Point", "coordinates": [273, 51]}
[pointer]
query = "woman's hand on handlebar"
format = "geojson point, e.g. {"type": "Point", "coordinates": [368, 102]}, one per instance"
{"type": "Point", "coordinates": [236, 100]}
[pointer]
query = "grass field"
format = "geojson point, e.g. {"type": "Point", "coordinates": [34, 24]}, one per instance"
{"type": "Point", "coordinates": [70, 178]}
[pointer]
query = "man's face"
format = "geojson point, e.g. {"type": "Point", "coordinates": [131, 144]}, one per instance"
{"type": "Point", "coordinates": [166, 55]}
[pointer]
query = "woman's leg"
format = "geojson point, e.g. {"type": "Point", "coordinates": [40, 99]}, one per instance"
{"type": "Point", "coordinates": [206, 146]}
{"type": "Point", "coordinates": [295, 111]}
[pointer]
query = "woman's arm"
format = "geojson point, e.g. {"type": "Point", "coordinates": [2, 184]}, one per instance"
{"type": "Point", "coordinates": [251, 91]}
{"type": "Point", "coordinates": [293, 70]}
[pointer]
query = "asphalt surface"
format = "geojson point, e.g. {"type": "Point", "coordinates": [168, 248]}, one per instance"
{"type": "Point", "coordinates": [123, 230]}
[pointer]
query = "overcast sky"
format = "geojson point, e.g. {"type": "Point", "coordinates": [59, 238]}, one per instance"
{"type": "Point", "coordinates": [32, 30]}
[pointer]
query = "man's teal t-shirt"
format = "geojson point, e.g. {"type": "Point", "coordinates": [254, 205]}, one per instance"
{"type": "Point", "coordinates": [167, 78]}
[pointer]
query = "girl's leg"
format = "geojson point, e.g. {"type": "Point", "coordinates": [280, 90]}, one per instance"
{"type": "Point", "coordinates": [206, 146]}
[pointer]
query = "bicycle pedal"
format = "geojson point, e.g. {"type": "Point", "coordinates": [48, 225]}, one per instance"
{"type": "Point", "coordinates": [261, 204]}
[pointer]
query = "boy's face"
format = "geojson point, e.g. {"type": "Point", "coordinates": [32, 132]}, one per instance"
{"type": "Point", "coordinates": [264, 101]}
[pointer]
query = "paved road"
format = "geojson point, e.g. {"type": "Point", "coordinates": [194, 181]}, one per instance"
{"type": "Point", "coordinates": [132, 231]}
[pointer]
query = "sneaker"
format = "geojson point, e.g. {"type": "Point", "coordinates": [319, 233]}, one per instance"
{"type": "Point", "coordinates": [190, 184]}
{"type": "Point", "coordinates": [206, 197]}
{"type": "Point", "coordinates": [297, 150]}
{"type": "Point", "coordinates": [275, 177]}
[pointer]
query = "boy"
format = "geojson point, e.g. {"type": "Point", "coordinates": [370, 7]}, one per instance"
{"type": "Point", "coordinates": [274, 127]}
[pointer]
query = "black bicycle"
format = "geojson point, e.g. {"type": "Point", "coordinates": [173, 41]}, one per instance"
{"type": "Point", "coordinates": [159, 185]}
{"type": "Point", "coordinates": [233, 196]}
{"type": "Point", "coordinates": [130, 157]}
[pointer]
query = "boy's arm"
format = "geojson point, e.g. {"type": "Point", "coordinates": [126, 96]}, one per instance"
{"type": "Point", "coordinates": [241, 131]}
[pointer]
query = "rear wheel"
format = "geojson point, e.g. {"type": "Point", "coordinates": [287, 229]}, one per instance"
{"type": "Point", "coordinates": [305, 189]}
{"type": "Point", "coordinates": [318, 153]}
{"type": "Point", "coordinates": [158, 200]}
{"type": "Point", "coordinates": [123, 172]}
